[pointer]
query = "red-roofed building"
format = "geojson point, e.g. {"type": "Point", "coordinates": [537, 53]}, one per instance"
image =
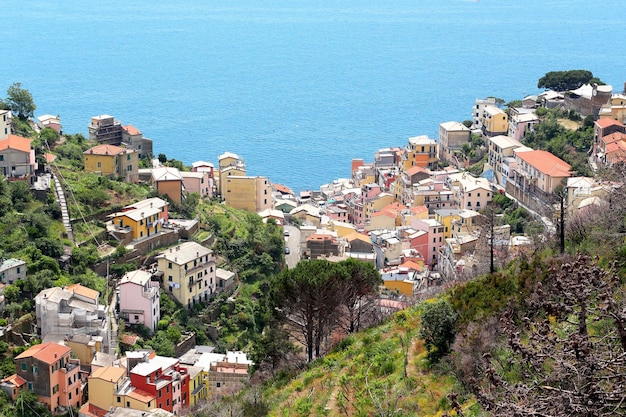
{"type": "Point", "coordinates": [12, 385]}
{"type": "Point", "coordinates": [17, 159]}
{"type": "Point", "coordinates": [615, 152]}
{"type": "Point", "coordinates": [50, 372]}
{"type": "Point", "coordinates": [601, 129]}
{"type": "Point", "coordinates": [113, 161]}
{"type": "Point", "coordinates": [540, 171]}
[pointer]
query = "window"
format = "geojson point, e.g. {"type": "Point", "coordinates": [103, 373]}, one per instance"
{"type": "Point", "coordinates": [169, 278]}
{"type": "Point", "coordinates": [128, 157]}
{"type": "Point", "coordinates": [127, 404]}
{"type": "Point", "coordinates": [218, 385]}
{"type": "Point", "coordinates": [119, 399]}
{"type": "Point", "coordinates": [99, 164]}
{"type": "Point", "coordinates": [160, 393]}
{"type": "Point", "coordinates": [29, 386]}
{"type": "Point", "coordinates": [167, 402]}
{"type": "Point", "coordinates": [18, 269]}
{"type": "Point", "coordinates": [69, 396]}
{"type": "Point", "coordinates": [169, 265]}
{"type": "Point", "coordinates": [167, 389]}
{"type": "Point", "coordinates": [136, 317]}
{"type": "Point", "coordinates": [23, 366]}
{"type": "Point", "coordinates": [478, 194]}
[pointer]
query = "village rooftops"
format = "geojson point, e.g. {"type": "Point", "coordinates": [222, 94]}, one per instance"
{"type": "Point", "coordinates": [154, 364]}
{"type": "Point", "coordinates": [15, 142]}
{"type": "Point", "coordinates": [228, 155]}
{"type": "Point", "coordinates": [505, 142]}
{"type": "Point", "coordinates": [422, 140]}
{"type": "Point", "coordinates": [199, 164]}
{"type": "Point", "coordinates": [606, 122]}
{"type": "Point", "coordinates": [138, 277]}
{"type": "Point", "coordinates": [83, 291]}
{"type": "Point", "coordinates": [109, 373]}
{"type": "Point", "coordinates": [546, 163]}
{"type": "Point", "coordinates": [185, 252]}
{"type": "Point", "coordinates": [166, 174]}
{"type": "Point", "coordinates": [154, 202]}
{"type": "Point", "coordinates": [131, 130]}
{"type": "Point", "coordinates": [48, 352]}
{"type": "Point", "coordinates": [454, 126]}
{"type": "Point", "coordinates": [111, 150]}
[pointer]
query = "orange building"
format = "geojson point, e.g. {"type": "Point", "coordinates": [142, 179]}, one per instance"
{"type": "Point", "coordinates": [50, 372]}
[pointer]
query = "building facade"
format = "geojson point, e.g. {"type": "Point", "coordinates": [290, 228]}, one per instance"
{"type": "Point", "coordinates": [52, 374]}
{"type": "Point", "coordinates": [139, 299]}
{"type": "Point", "coordinates": [188, 272]}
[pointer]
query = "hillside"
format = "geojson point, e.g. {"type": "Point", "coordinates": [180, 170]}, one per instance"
{"type": "Point", "coordinates": [373, 372]}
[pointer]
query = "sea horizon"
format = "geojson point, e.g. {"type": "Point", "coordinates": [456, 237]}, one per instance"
{"type": "Point", "coordinates": [297, 90]}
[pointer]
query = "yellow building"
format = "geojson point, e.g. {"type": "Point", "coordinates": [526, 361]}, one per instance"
{"type": "Point", "coordinates": [142, 219]}
{"type": "Point", "coordinates": [421, 151]}
{"type": "Point", "coordinates": [446, 217]}
{"type": "Point", "coordinates": [494, 121]}
{"type": "Point", "coordinates": [247, 193]}
{"type": "Point", "coordinates": [228, 165]}
{"type": "Point", "coordinates": [188, 272]}
{"type": "Point", "coordinates": [378, 203]}
{"type": "Point", "coordinates": [198, 389]}
{"type": "Point", "coordinates": [108, 388]}
{"type": "Point", "coordinates": [112, 161]}
{"type": "Point", "coordinates": [342, 228]}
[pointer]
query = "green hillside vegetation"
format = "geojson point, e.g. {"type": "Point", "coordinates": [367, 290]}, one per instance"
{"type": "Point", "coordinates": [382, 371]}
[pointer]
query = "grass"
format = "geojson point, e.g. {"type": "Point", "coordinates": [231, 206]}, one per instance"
{"type": "Point", "coordinates": [365, 376]}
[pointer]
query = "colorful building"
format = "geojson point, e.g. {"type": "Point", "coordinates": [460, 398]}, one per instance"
{"type": "Point", "coordinates": [188, 272]}
{"type": "Point", "coordinates": [17, 159]}
{"type": "Point", "coordinates": [142, 219]}
{"type": "Point", "coordinates": [247, 193]}
{"type": "Point", "coordinates": [112, 161]}
{"type": "Point", "coordinates": [50, 372]}
{"type": "Point", "coordinates": [167, 181]}
{"type": "Point", "coordinates": [139, 299]}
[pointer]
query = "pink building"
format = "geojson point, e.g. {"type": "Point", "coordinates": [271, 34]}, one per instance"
{"type": "Point", "coordinates": [357, 212]}
{"type": "Point", "coordinates": [198, 182]}
{"type": "Point", "coordinates": [435, 238]}
{"type": "Point", "coordinates": [419, 242]}
{"type": "Point", "coordinates": [139, 299]}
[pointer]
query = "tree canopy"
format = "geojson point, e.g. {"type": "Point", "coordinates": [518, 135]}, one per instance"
{"type": "Point", "coordinates": [566, 80]}
{"type": "Point", "coordinates": [20, 101]}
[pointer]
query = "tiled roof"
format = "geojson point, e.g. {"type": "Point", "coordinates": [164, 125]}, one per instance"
{"type": "Point", "coordinates": [15, 380]}
{"type": "Point", "coordinates": [129, 339]}
{"type": "Point", "coordinates": [84, 291]}
{"type": "Point", "coordinates": [109, 373]}
{"type": "Point", "coordinates": [104, 150]}
{"type": "Point", "coordinates": [411, 265]}
{"type": "Point", "coordinates": [48, 352]}
{"type": "Point", "coordinates": [91, 410]}
{"type": "Point", "coordinates": [166, 174]}
{"type": "Point", "coordinates": [606, 122]}
{"type": "Point", "coordinates": [137, 276]}
{"type": "Point", "coordinates": [546, 163]}
{"type": "Point", "coordinates": [141, 395]}
{"type": "Point", "coordinates": [415, 170]}
{"type": "Point", "coordinates": [283, 189]}
{"type": "Point", "coordinates": [15, 142]}
{"type": "Point", "coordinates": [132, 130]}
{"type": "Point", "coordinates": [614, 137]}
{"type": "Point", "coordinates": [185, 252]}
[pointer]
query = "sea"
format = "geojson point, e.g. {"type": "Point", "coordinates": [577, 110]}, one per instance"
{"type": "Point", "coordinates": [297, 88]}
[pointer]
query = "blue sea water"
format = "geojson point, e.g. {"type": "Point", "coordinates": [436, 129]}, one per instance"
{"type": "Point", "coordinates": [297, 88]}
